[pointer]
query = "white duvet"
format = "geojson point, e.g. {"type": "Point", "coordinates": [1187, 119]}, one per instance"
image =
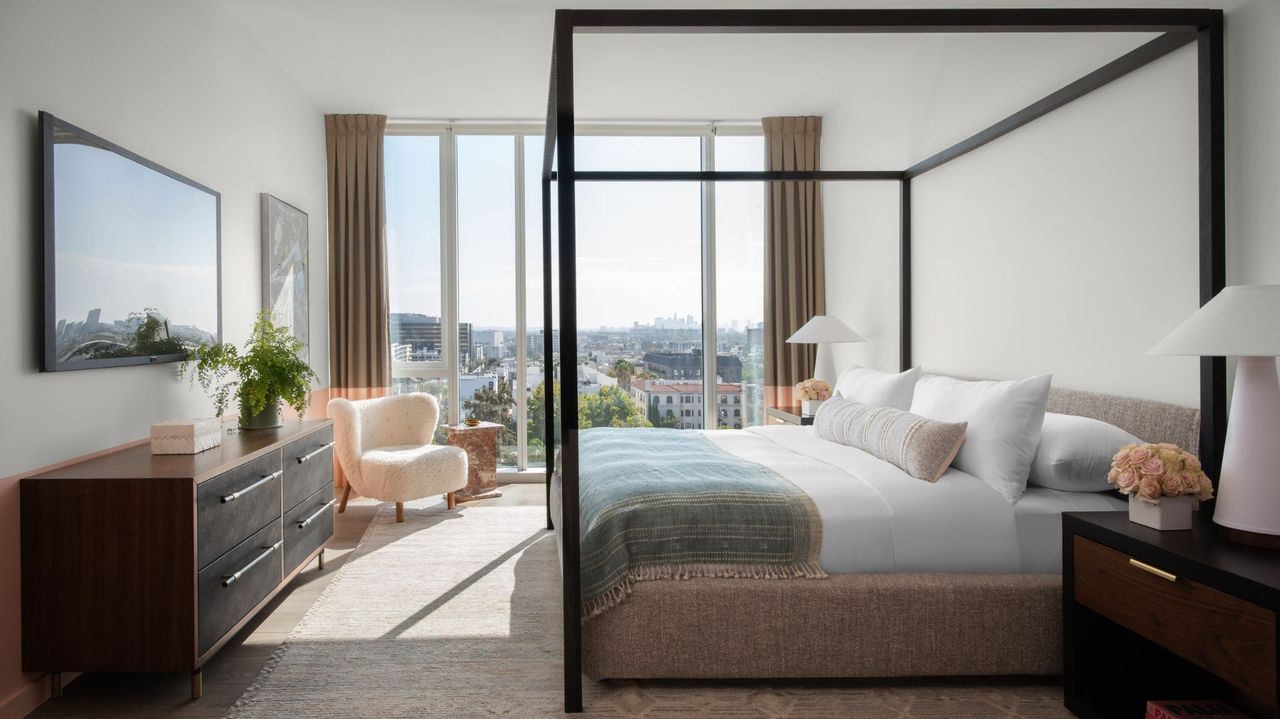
{"type": "Point", "coordinates": [877, 518]}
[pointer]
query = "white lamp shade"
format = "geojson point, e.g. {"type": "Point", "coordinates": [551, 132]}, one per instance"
{"type": "Point", "coordinates": [824, 328]}
{"type": "Point", "coordinates": [1241, 321]}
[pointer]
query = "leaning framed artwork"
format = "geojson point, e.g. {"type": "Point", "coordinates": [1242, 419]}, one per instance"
{"type": "Point", "coordinates": [284, 267]}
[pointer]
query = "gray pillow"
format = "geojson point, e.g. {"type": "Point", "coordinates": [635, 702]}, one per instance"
{"type": "Point", "coordinates": [921, 447]}
{"type": "Point", "coordinates": [1075, 453]}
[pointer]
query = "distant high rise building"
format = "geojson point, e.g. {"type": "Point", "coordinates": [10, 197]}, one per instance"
{"type": "Point", "coordinates": [423, 333]}
{"type": "Point", "coordinates": [94, 316]}
{"type": "Point", "coordinates": [494, 342]}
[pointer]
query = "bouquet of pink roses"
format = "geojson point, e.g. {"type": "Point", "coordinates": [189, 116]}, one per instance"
{"type": "Point", "coordinates": [1151, 471]}
{"type": "Point", "coordinates": [813, 389]}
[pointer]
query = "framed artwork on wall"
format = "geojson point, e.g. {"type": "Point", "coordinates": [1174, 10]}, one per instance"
{"type": "Point", "coordinates": [284, 267]}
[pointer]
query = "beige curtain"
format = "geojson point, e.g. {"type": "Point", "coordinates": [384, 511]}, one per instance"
{"type": "Point", "coordinates": [359, 327]}
{"type": "Point", "coordinates": [795, 288]}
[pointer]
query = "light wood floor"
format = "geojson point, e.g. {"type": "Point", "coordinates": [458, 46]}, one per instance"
{"type": "Point", "coordinates": [232, 670]}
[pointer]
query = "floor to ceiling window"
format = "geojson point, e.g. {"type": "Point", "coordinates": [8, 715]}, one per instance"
{"type": "Point", "coordinates": [739, 301]}
{"type": "Point", "coordinates": [414, 266]}
{"type": "Point", "coordinates": [464, 233]}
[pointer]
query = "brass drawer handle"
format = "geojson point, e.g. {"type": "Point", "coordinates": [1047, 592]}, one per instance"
{"type": "Point", "coordinates": [268, 551]}
{"type": "Point", "coordinates": [1153, 570]}
{"type": "Point", "coordinates": [240, 493]}
{"type": "Point", "coordinates": [302, 524]}
{"type": "Point", "coordinates": [313, 453]}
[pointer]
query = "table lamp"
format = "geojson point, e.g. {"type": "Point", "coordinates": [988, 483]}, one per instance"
{"type": "Point", "coordinates": [1243, 321]}
{"type": "Point", "coordinates": [822, 330]}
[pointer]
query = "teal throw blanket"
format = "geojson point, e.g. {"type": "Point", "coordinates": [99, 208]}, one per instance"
{"type": "Point", "coordinates": [670, 504]}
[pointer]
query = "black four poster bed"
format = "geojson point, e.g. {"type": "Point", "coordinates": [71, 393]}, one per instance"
{"type": "Point", "coordinates": [1029, 593]}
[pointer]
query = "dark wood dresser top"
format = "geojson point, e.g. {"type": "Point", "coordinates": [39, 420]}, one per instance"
{"type": "Point", "coordinates": [238, 446]}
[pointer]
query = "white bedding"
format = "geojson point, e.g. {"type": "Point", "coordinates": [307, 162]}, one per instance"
{"type": "Point", "coordinates": [877, 518]}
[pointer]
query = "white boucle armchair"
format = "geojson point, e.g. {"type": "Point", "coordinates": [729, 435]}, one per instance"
{"type": "Point", "coordinates": [384, 447]}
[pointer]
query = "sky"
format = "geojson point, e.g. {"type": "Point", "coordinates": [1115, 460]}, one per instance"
{"type": "Point", "coordinates": [129, 237]}
{"type": "Point", "coordinates": [638, 243]}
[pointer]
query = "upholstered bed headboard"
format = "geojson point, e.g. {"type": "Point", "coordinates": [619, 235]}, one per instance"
{"type": "Point", "coordinates": [1146, 419]}
{"type": "Point", "coordinates": [1149, 420]}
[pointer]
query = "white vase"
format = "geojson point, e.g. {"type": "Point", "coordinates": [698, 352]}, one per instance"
{"type": "Point", "coordinates": [809, 407]}
{"type": "Point", "coordinates": [1170, 513]}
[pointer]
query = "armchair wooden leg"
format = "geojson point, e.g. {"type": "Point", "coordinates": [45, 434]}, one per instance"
{"type": "Point", "coordinates": [346, 493]}
{"type": "Point", "coordinates": [399, 511]}
{"type": "Point", "coordinates": [451, 499]}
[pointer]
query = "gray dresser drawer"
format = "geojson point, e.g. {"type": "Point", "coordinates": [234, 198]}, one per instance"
{"type": "Point", "coordinates": [234, 584]}
{"type": "Point", "coordinates": [234, 505]}
{"type": "Point", "coordinates": [308, 466]}
{"type": "Point", "coordinates": [307, 527]}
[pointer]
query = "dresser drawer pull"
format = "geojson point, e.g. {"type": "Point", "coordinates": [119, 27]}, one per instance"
{"type": "Point", "coordinates": [1153, 570]}
{"type": "Point", "coordinates": [240, 493]}
{"type": "Point", "coordinates": [313, 453]}
{"type": "Point", "coordinates": [267, 552]}
{"type": "Point", "coordinates": [302, 524]}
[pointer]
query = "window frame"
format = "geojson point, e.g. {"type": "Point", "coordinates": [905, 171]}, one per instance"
{"type": "Point", "coordinates": [448, 367]}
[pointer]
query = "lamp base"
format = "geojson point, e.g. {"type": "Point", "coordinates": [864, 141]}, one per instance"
{"type": "Point", "coordinates": [824, 366]}
{"type": "Point", "coordinates": [1250, 539]}
{"type": "Point", "coordinates": [1248, 502]}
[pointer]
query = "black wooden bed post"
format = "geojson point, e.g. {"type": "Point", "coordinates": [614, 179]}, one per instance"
{"type": "Point", "coordinates": [548, 344]}
{"type": "Point", "coordinates": [904, 274]}
{"type": "Point", "coordinates": [1213, 230]}
{"type": "Point", "coordinates": [1177, 27]}
{"type": "Point", "coordinates": [568, 256]}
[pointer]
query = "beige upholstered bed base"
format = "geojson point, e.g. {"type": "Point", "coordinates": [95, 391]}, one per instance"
{"type": "Point", "coordinates": [850, 625]}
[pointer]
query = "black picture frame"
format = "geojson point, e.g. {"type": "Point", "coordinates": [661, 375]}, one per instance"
{"type": "Point", "coordinates": [49, 126]}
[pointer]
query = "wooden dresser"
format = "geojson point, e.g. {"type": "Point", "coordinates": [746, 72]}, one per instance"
{"type": "Point", "coordinates": [1165, 615]}
{"type": "Point", "coordinates": [141, 562]}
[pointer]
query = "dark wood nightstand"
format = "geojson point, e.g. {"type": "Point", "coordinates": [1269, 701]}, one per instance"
{"type": "Point", "coordinates": [789, 414]}
{"type": "Point", "coordinates": [1165, 615]}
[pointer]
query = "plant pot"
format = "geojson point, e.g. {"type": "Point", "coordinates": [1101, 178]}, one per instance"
{"type": "Point", "coordinates": [268, 418]}
{"type": "Point", "coordinates": [809, 407]}
{"type": "Point", "coordinates": [1170, 513]}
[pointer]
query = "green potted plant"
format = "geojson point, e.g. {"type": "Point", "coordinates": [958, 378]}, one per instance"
{"type": "Point", "coordinates": [268, 371]}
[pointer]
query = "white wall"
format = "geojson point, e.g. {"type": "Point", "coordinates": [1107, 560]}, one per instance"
{"type": "Point", "coordinates": [1252, 223]}
{"type": "Point", "coordinates": [861, 225]}
{"type": "Point", "coordinates": [183, 84]}
{"type": "Point", "coordinates": [1069, 246]}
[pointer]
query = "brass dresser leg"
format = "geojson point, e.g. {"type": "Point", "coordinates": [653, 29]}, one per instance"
{"type": "Point", "coordinates": [197, 684]}
{"type": "Point", "coordinates": [55, 685]}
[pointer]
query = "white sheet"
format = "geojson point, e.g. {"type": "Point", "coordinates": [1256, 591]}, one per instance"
{"type": "Point", "coordinates": [877, 518]}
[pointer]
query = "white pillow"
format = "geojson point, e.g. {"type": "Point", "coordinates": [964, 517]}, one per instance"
{"type": "Point", "coordinates": [1075, 453]}
{"type": "Point", "coordinates": [878, 389]}
{"type": "Point", "coordinates": [1004, 425]}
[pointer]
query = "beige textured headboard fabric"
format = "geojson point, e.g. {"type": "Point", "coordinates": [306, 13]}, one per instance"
{"type": "Point", "coordinates": [1145, 419]}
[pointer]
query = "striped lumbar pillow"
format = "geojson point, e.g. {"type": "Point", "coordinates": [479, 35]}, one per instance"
{"type": "Point", "coordinates": [921, 447]}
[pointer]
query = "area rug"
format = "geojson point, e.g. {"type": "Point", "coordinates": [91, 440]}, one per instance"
{"type": "Point", "coordinates": [457, 614]}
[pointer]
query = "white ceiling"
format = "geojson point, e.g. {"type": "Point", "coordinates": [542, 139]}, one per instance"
{"type": "Point", "coordinates": [487, 59]}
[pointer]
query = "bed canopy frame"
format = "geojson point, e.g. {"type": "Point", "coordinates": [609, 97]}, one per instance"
{"type": "Point", "coordinates": [1177, 27]}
